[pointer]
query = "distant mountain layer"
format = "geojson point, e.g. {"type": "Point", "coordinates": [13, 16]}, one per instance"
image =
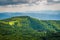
{"type": "Point", "coordinates": [43, 15]}
{"type": "Point", "coordinates": [28, 28]}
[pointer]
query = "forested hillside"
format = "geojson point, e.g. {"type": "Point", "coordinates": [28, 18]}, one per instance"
{"type": "Point", "coordinates": [28, 28]}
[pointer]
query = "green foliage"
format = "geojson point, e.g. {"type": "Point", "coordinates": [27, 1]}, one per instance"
{"type": "Point", "coordinates": [28, 28]}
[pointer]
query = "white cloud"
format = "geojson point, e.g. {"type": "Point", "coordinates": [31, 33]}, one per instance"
{"type": "Point", "coordinates": [7, 2]}
{"type": "Point", "coordinates": [32, 5]}
{"type": "Point", "coordinates": [25, 7]}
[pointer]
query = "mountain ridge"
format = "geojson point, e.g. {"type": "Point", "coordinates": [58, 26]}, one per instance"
{"type": "Point", "coordinates": [25, 27]}
{"type": "Point", "coordinates": [32, 21]}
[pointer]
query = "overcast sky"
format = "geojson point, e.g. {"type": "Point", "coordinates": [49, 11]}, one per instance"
{"type": "Point", "coordinates": [47, 9]}
{"type": "Point", "coordinates": [28, 5]}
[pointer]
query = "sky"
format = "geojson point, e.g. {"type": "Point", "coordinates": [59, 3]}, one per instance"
{"type": "Point", "coordinates": [28, 5]}
{"type": "Point", "coordinates": [41, 9]}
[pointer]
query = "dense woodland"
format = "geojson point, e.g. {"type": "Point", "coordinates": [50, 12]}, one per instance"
{"type": "Point", "coordinates": [28, 28]}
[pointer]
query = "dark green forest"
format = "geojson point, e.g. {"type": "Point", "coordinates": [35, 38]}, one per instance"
{"type": "Point", "coordinates": [28, 28]}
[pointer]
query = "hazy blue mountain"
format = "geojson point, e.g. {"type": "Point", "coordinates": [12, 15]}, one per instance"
{"type": "Point", "coordinates": [42, 15]}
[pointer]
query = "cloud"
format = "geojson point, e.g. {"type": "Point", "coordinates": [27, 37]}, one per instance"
{"type": "Point", "coordinates": [25, 7]}
{"type": "Point", "coordinates": [7, 2]}
{"type": "Point", "coordinates": [28, 5]}
{"type": "Point", "coordinates": [53, 1]}
{"type": "Point", "coordinates": [56, 0]}
{"type": "Point", "coordinates": [11, 2]}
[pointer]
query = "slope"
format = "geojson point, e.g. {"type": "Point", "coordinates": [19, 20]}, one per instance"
{"type": "Point", "coordinates": [25, 27]}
